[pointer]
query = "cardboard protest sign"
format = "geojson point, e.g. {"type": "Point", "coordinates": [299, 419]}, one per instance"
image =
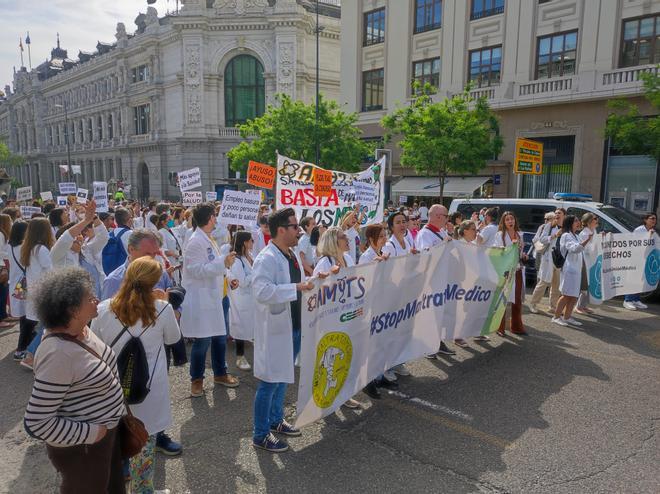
{"type": "Point", "coordinates": [192, 198]}
{"type": "Point", "coordinates": [211, 196]}
{"type": "Point", "coordinates": [46, 196]}
{"type": "Point", "coordinates": [190, 179]}
{"type": "Point", "coordinates": [67, 188]}
{"type": "Point", "coordinates": [322, 182]}
{"type": "Point", "coordinates": [76, 169]}
{"type": "Point", "coordinates": [81, 196]}
{"type": "Point", "coordinates": [24, 193]}
{"type": "Point", "coordinates": [239, 208]}
{"type": "Point", "coordinates": [261, 175]}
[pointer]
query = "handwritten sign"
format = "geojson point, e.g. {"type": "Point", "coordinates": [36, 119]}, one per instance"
{"type": "Point", "coordinates": [322, 182]}
{"type": "Point", "coordinates": [192, 198]}
{"type": "Point", "coordinates": [46, 196]}
{"type": "Point", "coordinates": [211, 196]}
{"type": "Point", "coordinates": [76, 169]}
{"type": "Point", "coordinates": [365, 193]}
{"type": "Point", "coordinates": [81, 196]}
{"type": "Point", "coordinates": [261, 175]}
{"type": "Point", "coordinates": [239, 208]}
{"type": "Point", "coordinates": [67, 188]}
{"type": "Point", "coordinates": [190, 179]}
{"type": "Point", "coordinates": [24, 193]}
{"type": "Point", "coordinates": [100, 194]}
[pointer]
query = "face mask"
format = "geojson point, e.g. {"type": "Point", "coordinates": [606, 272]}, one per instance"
{"type": "Point", "coordinates": [481, 217]}
{"type": "Point", "coordinates": [170, 223]}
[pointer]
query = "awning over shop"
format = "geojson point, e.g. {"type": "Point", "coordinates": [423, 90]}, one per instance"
{"type": "Point", "coordinates": [430, 187]}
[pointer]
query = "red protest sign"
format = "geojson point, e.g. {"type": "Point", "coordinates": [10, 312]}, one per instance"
{"type": "Point", "coordinates": [261, 175]}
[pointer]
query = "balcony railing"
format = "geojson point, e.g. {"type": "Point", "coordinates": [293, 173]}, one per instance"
{"type": "Point", "coordinates": [627, 75]}
{"type": "Point", "coordinates": [560, 85]}
{"type": "Point", "coordinates": [488, 93]}
{"type": "Point", "coordinates": [486, 13]}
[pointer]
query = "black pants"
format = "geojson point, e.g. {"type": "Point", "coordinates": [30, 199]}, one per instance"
{"type": "Point", "coordinates": [90, 467]}
{"type": "Point", "coordinates": [240, 347]}
{"type": "Point", "coordinates": [4, 293]}
{"type": "Point", "coordinates": [26, 333]}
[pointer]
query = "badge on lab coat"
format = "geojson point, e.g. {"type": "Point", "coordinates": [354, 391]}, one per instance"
{"type": "Point", "coordinates": [209, 251]}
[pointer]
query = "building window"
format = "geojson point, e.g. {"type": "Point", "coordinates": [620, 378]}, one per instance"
{"type": "Point", "coordinates": [486, 8]}
{"type": "Point", "coordinates": [428, 15]}
{"type": "Point", "coordinates": [49, 135]}
{"type": "Point", "coordinates": [59, 138]}
{"type": "Point", "coordinates": [374, 27]}
{"type": "Point", "coordinates": [486, 66]}
{"type": "Point", "coordinates": [427, 71]}
{"type": "Point", "coordinates": [245, 93]}
{"type": "Point", "coordinates": [556, 55]}
{"type": "Point", "coordinates": [373, 84]}
{"type": "Point", "coordinates": [99, 125]}
{"type": "Point", "coordinates": [81, 134]}
{"type": "Point", "coordinates": [140, 73]}
{"type": "Point", "coordinates": [141, 118]}
{"type": "Point", "coordinates": [111, 133]}
{"type": "Point", "coordinates": [641, 41]}
{"type": "Point", "coordinates": [90, 130]}
{"type": "Point", "coordinates": [72, 130]}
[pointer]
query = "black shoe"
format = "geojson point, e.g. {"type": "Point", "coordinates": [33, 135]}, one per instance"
{"type": "Point", "coordinates": [444, 349]}
{"type": "Point", "coordinates": [384, 383]}
{"type": "Point", "coordinates": [371, 390]}
{"type": "Point", "coordinates": [165, 445]}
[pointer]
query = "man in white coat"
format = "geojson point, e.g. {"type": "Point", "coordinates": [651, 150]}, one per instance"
{"type": "Point", "coordinates": [202, 316]}
{"type": "Point", "coordinates": [277, 282]}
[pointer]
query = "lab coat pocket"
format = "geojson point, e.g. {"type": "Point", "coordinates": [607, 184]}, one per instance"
{"type": "Point", "coordinates": [277, 309]}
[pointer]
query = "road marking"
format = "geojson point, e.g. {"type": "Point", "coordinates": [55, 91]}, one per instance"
{"type": "Point", "coordinates": [432, 406]}
{"type": "Point", "coordinates": [450, 424]}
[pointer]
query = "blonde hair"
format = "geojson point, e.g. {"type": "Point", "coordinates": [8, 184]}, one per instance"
{"type": "Point", "coordinates": [135, 299]}
{"type": "Point", "coordinates": [329, 245]}
{"type": "Point", "coordinates": [347, 217]}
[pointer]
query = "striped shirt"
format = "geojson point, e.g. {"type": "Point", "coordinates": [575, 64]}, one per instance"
{"type": "Point", "coordinates": [74, 392]}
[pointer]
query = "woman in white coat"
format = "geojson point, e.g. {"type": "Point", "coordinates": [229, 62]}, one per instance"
{"type": "Point", "coordinates": [543, 241]}
{"type": "Point", "coordinates": [16, 293]}
{"type": "Point", "coordinates": [508, 233]}
{"type": "Point", "coordinates": [135, 311]}
{"type": "Point", "coordinates": [241, 298]}
{"type": "Point", "coordinates": [569, 285]}
{"type": "Point", "coordinates": [277, 281]}
{"type": "Point", "coordinates": [589, 226]}
{"type": "Point", "coordinates": [333, 252]}
{"type": "Point", "coordinates": [202, 317]}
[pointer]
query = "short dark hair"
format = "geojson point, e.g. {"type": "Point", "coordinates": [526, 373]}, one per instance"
{"type": "Point", "coordinates": [306, 221]}
{"type": "Point", "coordinates": [263, 220]}
{"type": "Point", "coordinates": [60, 293]}
{"type": "Point", "coordinates": [392, 217]}
{"type": "Point", "coordinates": [48, 207]}
{"type": "Point", "coordinates": [56, 217]}
{"type": "Point", "coordinates": [202, 214]}
{"type": "Point", "coordinates": [567, 225]}
{"type": "Point", "coordinates": [240, 239]}
{"type": "Point", "coordinates": [494, 213]}
{"type": "Point", "coordinates": [163, 207]}
{"type": "Point", "coordinates": [279, 219]}
{"type": "Point", "coordinates": [17, 234]}
{"type": "Point", "coordinates": [315, 235]}
{"type": "Point", "coordinates": [649, 215]}
{"type": "Point", "coordinates": [122, 215]}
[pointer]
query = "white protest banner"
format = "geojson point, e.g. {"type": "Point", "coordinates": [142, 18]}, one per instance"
{"type": "Point", "coordinates": [365, 193]}
{"type": "Point", "coordinates": [81, 196]}
{"type": "Point", "coordinates": [46, 196]}
{"type": "Point", "coordinates": [239, 208]}
{"type": "Point", "coordinates": [67, 188]}
{"type": "Point", "coordinates": [24, 193]}
{"type": "Point", "coordinates": [192, 198]}
{"type": "Point", "coordinates": [189, 179]}
{"type": "Point", "coordinates": [622, 264]}
{"type": "Point", "coordinates": [211, 196]}
{"type": "Point", "coordinates": [369, 318]}
{"type": "Point", "coordinates": [100, 194]}
{"type": "Point", "coordinates": [61, 200]}
{"type": "Point", "coordinates": [28, 211]}
{"type": "Point", "coordinates": [76, 169]}
{"type": "Point", "coordinates": [295, 189]}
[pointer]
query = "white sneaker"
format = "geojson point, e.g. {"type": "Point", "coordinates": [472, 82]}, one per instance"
{"type": "Point", "coordinates": [573, 322]}
{"type": "Point", "coordinates": [352, 404]}
{"type": "Point", "coordinates": [640, 305]}
{"type": "Point", "coordinates": [629, 306]}
{"type": "Point", "coordinates": [163, 491]}
{"type": "Point", "coordinates": [242, 363]}
{"type": "Point", "coordinates": [402, 370]}
{"type": "Point", "coordinates": [560, 321]}
{"type": "Point", "coordinates": [390, 376]}
{"type": "Point", "coordinates": [533, 309]}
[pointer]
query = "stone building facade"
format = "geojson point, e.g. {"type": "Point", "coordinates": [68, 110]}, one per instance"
{"type": "Point", "coordinates": [169, 96]}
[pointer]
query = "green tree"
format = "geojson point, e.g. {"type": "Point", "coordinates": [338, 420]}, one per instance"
{"type": "Point", "coordinates": [457, 135]}
{"type": "Point", "coordinates": [629, 130]}
{"type": "Point", "coordinates": [7, 158]}
{"type": "Point", "coordinates": [289, 127]}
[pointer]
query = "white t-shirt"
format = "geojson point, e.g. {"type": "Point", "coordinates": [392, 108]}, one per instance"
{"type": "Point", "coordinates": [488, 234]}
{"type": "Point", "coordinates": [353, 241]}
{"type": "Point", "coordinates": [305, 247]}
{"type": "Point", "coordinates": [395, 249]}
{"type": "Point", "coordinates": [424, 213]}
{"type": "Point", "coordinates": [641, 229]}
{"type": "Point", "coordinates": [368, 256]}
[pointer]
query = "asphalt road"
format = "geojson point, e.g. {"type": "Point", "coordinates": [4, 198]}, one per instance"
{"type": "Point", "coordinates": [560, 411]}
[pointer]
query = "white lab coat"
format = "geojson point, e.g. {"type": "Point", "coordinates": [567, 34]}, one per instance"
{"type": "Point", "coordinates": [368, 256]}
{"type": "Point", "coordinates": [40, 264]}
{"type": "Point", "coordinates": [427, 238]}
{"type": "Point", "coordinates": [259, 242]}
{"type": "Point", "coordinates": [15, 274]}
{"type": "Point", "coordinates": [353, 238]}
{"type": "Point", "coordinates": [203, 279]}
{"type": "Point", "coordinates": [273, 331]}
{"type": "Point", "coordinates": [571, 272]}
{"type": "Point", "coordinates": [394, 248]}
{"type": "Point", "coordinates": [546, 267]}
{"type": "Point", "coordinates": [325, 263]}
{"type": "Point", "coordinates": [503, 240]}
{"type": "Point", "coordinates": [241, 301]}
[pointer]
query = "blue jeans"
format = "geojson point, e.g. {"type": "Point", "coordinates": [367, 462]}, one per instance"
{"type": "Point", "coordinates": [36, 341]}
{"type": "Point", "coordinates": [632, 298]}
{"type": "Point", "coordinates": [198, 356]}
{"type": "Point", "coordinates": [297, 339]}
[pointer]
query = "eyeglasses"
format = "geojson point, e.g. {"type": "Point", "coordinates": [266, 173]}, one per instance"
{"type": "Point", "coordinates": [291, 225]}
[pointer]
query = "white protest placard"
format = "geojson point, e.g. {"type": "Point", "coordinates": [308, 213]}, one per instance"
{"type": "Point", "coordinates": [28, 211]}
{"type": "Point", "coordinates": [67, 188]}
{"type": "Point", "coordinates": [100, 191]}
{"type": "Point", "coordinates": [190, 179]}
{"type": "Point", "coordinates": [46, 196]}
{"type": "Point", "coordinates": [192, 198]}
{"type": "Point", "coordinates": [365, 193]}
{"type": "Point", "coordinates": [239, 208]}
{"type": "Point", "coordinates": [24, 193]}
{"type": "Point", "coordinates": [211, 196]}
{"type": "Point", "coordinates": [61, 200]}
{"type": "Point", "coordinates": [76, 169]}
{"type": "Point", "coordinates": [127, 189]}
{"type": "Point", "coordinates": [81, 196]}
{"type": "Point", "coordinates": [403, 199]}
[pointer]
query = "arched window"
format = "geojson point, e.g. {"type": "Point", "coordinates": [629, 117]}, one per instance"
{"type": "Point", "coordinates": [244, 90]}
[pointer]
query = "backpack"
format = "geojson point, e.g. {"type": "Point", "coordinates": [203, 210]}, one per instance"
{"type": "Point", "coordinates": [133, 367]}
{"type": "Point", "coordinates": [20, 290]}
{"type": "Point", "coordinates": [114, 254]}
{"type": "Point", "coordinates": [558, 258]}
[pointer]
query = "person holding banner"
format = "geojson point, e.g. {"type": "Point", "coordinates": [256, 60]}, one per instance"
{"type": "Point", "coordinates": [277, 283]}
{"type": "Point", "coordinates": [487, 233]}
{"type": "Point", "coordinates": [634, 302]}
{"type": "Point", "coordinates": [589, 225]}
{"type": "Point", "coordinates": [351, 226]}
{"type": "Point", "coordinates": [508, 233]}
{"type": "Point", "coordinates": [399, 243]}
{"type": "Point", "coordinates": [376, 237]}
{"type": "Point", "coordinates": [571, 272]}
{"type": "Point", "coordinates": [305, 248]}
{"type": "Point", "coordinates": [545, 268]}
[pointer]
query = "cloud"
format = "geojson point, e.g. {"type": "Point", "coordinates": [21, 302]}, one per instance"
{"type": "Point", "coordinates": [81, 24]}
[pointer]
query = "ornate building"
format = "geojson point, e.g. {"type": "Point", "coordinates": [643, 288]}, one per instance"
{"type": "Point", "coordinates": [168, 97]}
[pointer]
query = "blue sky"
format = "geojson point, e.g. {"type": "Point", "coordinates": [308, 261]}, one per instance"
{"type": "Point", "coordinates": [81, 24]}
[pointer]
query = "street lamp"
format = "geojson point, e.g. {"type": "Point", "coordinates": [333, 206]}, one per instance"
{"type": "Point", "coordinates": [66, 138]}
{"type": "Point", "coordinates": [318, 31]}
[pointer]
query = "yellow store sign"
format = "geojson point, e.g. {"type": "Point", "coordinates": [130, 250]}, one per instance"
{"type": "Point", "coordinates": [529, 157]}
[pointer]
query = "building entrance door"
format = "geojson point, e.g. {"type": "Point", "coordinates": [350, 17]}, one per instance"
{"type": "Point", "coordinates": [558, 153]}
